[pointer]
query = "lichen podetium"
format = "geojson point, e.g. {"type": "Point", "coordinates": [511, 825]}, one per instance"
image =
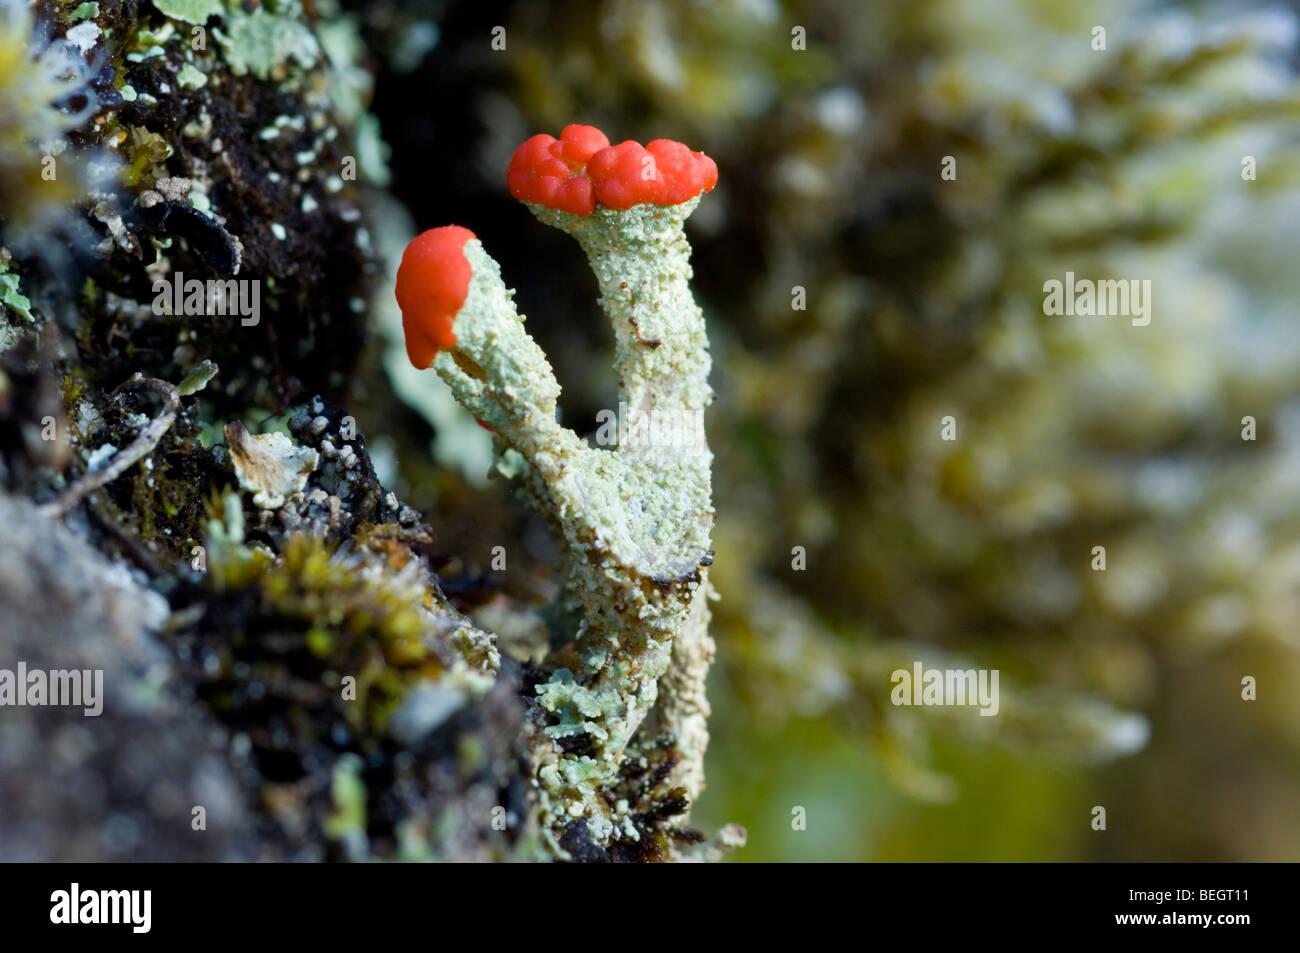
{"type": "Point", "coordinates": [634, 521]}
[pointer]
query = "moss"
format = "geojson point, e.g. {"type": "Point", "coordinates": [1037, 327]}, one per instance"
{"type": "Point", "coordinates": [311, 652]}
{"type": "Point", "coordinates": [333, 616]}
{"type": "Point", "coordinates": [74, 389]}
{"type": "Point", "coordinates": [145, 151]}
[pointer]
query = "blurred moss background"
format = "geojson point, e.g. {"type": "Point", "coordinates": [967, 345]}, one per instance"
{"type": "Point", "coordinates": [924, 298]}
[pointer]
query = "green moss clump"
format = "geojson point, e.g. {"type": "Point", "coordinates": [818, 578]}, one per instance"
{"type": "Point", "coordinates": [303, 623]}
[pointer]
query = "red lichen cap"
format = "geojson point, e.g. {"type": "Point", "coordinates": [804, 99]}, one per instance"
{"type": "Point", "coordinates": [581, 170]}
{"type": "Point", "coordinates": [432, 282]}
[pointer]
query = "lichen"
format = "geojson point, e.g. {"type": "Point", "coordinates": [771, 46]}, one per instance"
{"type": "Point", "coordinates": [269, 465]}
{"type": "Point", "coordinates": [13, 299]}
{"type": "Point", "coordinates": [266, 44]}
{"type": "Point", "coordinates": [191, 11]}
{"type": "Point", "coordinates": [634, 520]}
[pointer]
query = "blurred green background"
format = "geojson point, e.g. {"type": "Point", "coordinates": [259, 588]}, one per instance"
{"type": "Point", "coordinates": [924, 297]}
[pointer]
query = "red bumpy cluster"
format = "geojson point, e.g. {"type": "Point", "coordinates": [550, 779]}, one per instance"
{"type": "Point", "coordinates": [575, 173]}
{"type": "Point", "coordinates": [581, 170]}
{"type": "Point", "coordinates": [432, 282]}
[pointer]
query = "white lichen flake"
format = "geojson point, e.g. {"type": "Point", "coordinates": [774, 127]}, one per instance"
{"type": "Point", "coordinates": [270, 466]}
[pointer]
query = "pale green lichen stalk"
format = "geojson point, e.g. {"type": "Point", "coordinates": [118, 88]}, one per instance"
{"type": "Point", "coordinates": [634, 519]}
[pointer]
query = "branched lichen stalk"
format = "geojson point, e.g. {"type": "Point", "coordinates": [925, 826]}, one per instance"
{"type": "Point", "coordinates": [658, 631]}
{"type": "Point", "coordinates": [634, 513]}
